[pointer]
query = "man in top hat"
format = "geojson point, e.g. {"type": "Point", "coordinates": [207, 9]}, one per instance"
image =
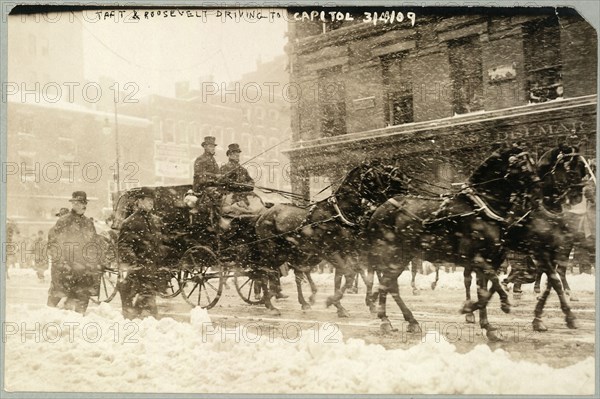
{"type": "Point", "coordinates": [75, 269]}
{"type": "Point", "coordinates": [206, 170]}
{"type": "Point", "coordinates": [234, 175]}
{"type": "Point", "coordinates": [207, 183]}
{"type": "Point", "coordinates": [139, 252]}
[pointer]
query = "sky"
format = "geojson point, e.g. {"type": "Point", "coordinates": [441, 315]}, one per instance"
{"type": "Point", "coordinates": [158, 51]}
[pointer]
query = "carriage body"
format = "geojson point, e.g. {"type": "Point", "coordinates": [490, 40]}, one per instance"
{"type": "Point", "coordinates": [198, 257]}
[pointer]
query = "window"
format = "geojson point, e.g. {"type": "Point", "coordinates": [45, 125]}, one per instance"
{"type": "Point", "coordinates": [168, 131]}
{"type": "Point", "coordinates": [27, 166]}
{"type": "Point", "coordinates": [543, 62]}
{"type": "Point", "coordinates": [259, 114]}
{"type": "Point", "coordinates": [332, 103]}
{"type": "Point", "coordinates": [181, 135]}
{"type": "Point", "coordinates": [397, 80]}
{"type": "Point", "coordinates": [156, 128]}
{"type": "Point", "coordinates": [194, 134]}
{"type": "Point", "coordinates": [247, 143]}
{"type": "Point", "coordinates": [466, 73]}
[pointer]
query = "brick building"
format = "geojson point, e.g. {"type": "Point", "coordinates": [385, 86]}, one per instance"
{"type": "Point", "coordinates": [438, 96]}
{"type": "Point", "coordinates": [57, 142]}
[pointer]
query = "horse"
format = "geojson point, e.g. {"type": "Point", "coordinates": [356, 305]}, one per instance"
{"type": "Point", "coordinates": [582, 249]}
{"type": "Point", "coordinates": [544, 231]}
{"type": "Point", "coordinates": [466, 229]}
{"type": "Point", "coordinates": [328, 229]}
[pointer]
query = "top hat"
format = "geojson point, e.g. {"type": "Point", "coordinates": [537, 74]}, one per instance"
{"type": "Point", "coordinates": [141, 192]}
{"type": "Point", "coordinates": [79, 196]}
{"type": "Point", "coordinates": [62, 212]}
{"type": "Point", "coordinates": [209, 140]}
{"type": "Point", "coordinates": [233, 148]}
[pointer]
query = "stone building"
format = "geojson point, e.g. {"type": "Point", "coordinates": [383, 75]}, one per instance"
{"type": "Point", "coordinates": [439, 96]}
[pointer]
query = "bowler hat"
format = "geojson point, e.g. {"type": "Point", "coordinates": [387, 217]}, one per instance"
{"type": "Point", "coordinates": [209, 140]}
{"type": "Point", "coordinates": [233, 148]}
{"type": "Point", "coordinates": [79, 196]}
{"type": "Point", "coordinates": [141, 192]}
{"type": "Point", "coordinates": [62, 212]}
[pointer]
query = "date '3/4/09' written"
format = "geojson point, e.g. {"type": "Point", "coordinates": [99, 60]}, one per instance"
{"type": "Point", "coordinates": [385, 17]}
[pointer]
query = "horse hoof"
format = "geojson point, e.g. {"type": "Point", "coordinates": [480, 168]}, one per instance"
{"type": "Point", "coordinates": [470, 318]}
{"type": "Point", "coordinates": [538, 325]}
{"type": "Point", "coordinates": [343, 313]}
{"type": "Point", "coordinates": [413, 327]}
{"type": "Point", "coordinates": [415, 291]}
{"type": "Point", "coordinates": [312, 299]}
{"type": "Point", "coordinates": [572, 322]}
{"type": "Point", "coordinates": [386, 327]}
{"type": "Point", "coordinates": [373, 309]}
{"type": "Point", "coordinates": [306, 306]}
{"type": "Point", "coordinates": [467, 307]}
{"type": "Point", "coordinates": [493, 335]}
{"type": "Point", "coordinates": [329, 301]}
{"type": "Point", "coordinates": [505, 306]}
{"type": "Point", "coordinates": [517, 296]}
{"type": "Point", "coordinates": [573, 298]}
{"type": "Point", "coordinates": [433, 285]}
{"type": "Point", "coordinates": [274, 312]}
{"type": "Point", "coordinates": [536, 290]}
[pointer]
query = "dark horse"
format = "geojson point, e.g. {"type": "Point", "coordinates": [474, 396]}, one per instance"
{"type": "Point", "coordinates": [544, 231]}
{"type": "Point", "coordinates": [330, 229]}
{"type": "Point", "coordinates": [466, 229]}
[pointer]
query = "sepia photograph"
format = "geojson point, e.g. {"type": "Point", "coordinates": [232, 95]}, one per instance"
{"type": "Point", "coordinates": [350, 200]}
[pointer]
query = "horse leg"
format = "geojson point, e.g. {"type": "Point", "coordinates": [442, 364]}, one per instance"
{"type": "Point", "coordinates": [386, 326]}
{"type": "Point", "coordinates": [555, 282]}
{"type": "Point", "coordinates": [483, 296]}
{"type": "Point", "coordinates": [413, 272]}
{"type": "Point", "coordinates": [266, 280]}
{"type": "Point", "coordinates": [538, 282]}
{"type": "Point", "coordinates": [370, 296]}
{"type": "Point", "coordinates": [467, 279]}
{"type": "Point", "coordinates": [339, 290]}
{"type": "Point", "coordinates": [538, 324]}
{"type": "Point", "coordinates": [298, 278]}
{"type": "Point", "coordinates": [413, 324]}
{"type": "Point", "coordinates": [437, 277]}
{"type": "Point", "coordinates": [562, 273]}
{"type": "Point", "coordinates": [313, 288]}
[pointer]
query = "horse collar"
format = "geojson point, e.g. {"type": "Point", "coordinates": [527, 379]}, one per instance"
{"type": "Point", "coordinates": [484, 206]}
{"type": "Point", "coordinates": [333, 201]}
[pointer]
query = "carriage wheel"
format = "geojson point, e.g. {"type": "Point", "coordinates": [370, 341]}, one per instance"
{"type": "Point", "coordinates": [201, 278]}
{"type": "Point", "coordinates": [108, 285]}
{"type": "Point", "coordinates": [173, 288]}
{"type": "Point", "coordinates": [248, 287]}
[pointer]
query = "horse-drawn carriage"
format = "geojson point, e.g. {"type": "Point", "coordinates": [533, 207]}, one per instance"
{"type": "Point", "coordinates": [198, 255]}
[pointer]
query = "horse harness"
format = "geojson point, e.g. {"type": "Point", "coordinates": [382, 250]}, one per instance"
{"type": "Point", "coordinates": [469, 193]}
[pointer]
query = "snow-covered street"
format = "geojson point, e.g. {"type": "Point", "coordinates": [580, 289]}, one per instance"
{"type": "Point", "coordinates": [236, 347]}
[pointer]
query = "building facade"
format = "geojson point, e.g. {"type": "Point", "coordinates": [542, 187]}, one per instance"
{"type": "Point", "coordinates": [439, 96]}
{"type": "Point", "coordinates": [57, 141]}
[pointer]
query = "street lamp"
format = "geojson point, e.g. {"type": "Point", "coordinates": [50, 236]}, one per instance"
{"type": "Point", "coordinates": [106, 130]}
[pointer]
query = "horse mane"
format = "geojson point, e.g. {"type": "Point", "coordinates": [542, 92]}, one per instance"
{"type": "Point", "coordinates": [493, 167]}
{"type": "Point", "coordinates": [549, 159]}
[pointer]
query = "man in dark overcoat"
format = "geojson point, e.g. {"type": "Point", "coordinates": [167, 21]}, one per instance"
{"type": "Point", "coordinates": [75, 262]}
{"type": "Point", "coordinates": [139, 254]}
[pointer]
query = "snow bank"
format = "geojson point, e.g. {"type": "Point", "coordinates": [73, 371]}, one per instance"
{"type": "Point", "coordinates": [102, 352]}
